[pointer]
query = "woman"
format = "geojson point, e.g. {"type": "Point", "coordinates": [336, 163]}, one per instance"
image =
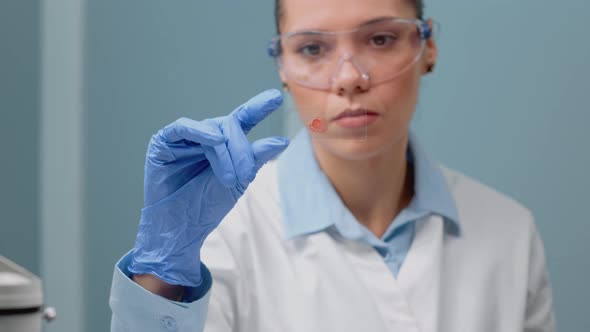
{"type": "Point", "coordinates": [353, 228]}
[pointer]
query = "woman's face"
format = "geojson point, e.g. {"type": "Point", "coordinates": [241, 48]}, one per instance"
{"type": "Point", "coordinates": [391, 103]}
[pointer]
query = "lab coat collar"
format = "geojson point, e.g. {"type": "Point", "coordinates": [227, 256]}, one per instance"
{"type": "Point", "coordinates": [310, 204]}
{"type": "Point", "coordinates": [431, 190]}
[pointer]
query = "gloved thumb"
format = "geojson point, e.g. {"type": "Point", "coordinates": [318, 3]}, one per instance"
{"type": "Point", "coordinates": [267, 149]}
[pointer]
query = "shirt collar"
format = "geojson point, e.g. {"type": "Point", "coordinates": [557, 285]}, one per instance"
{"type": "Point", "coordinates": [310, 204]}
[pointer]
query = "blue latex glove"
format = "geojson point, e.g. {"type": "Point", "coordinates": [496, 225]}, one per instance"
{"type": "Point", "coordinates": [195, 172]}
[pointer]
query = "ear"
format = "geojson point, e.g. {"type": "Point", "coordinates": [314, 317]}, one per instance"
{"type": "Point", "coordinates": [431, 50]}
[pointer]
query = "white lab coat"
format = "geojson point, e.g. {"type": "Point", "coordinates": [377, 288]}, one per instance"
{"type": "Point", "coordinates": [490, 278]}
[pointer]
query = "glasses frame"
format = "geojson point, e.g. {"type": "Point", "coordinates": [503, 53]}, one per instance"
{"type": "Point", "coordinates": [274, 48]}
{"type": "Point", "coordinates": [424, 30]}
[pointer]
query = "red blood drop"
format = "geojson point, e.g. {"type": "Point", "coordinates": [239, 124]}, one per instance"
{"type": "Point", "coordinates": [318, 126]}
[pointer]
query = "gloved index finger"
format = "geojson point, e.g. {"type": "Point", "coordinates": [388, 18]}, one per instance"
{"type": "Point", "coordinates": [200, 132]}
{"type": "Point", "coordinates": [257, 109]}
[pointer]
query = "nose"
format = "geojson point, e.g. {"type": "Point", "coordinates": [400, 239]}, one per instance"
{"type": "Point", "coordinates": [349, 77]}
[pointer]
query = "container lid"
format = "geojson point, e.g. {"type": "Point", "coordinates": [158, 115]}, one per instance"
{"type": "Point", "coordinates": [19, 288]}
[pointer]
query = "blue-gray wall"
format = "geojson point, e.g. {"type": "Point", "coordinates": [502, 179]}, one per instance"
{"type": "Point", "coordinates": [19, 131]}
{"type": "Point", "coordinates": [508, 105]}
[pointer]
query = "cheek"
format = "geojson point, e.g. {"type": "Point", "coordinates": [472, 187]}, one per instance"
{"type": "Point", "coordinates": [399, 97]}
{"type": "Point", "coordinates": [309, 104]}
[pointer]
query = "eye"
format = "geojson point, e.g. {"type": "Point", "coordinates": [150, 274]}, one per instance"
{"type": "Point", "coordinates": [311, 50]}
{"type": "Point", "coordinates": [382, 40]}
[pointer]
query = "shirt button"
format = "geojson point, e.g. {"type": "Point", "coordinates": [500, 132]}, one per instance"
{"type": "Point", "coordinates": [169, 323]}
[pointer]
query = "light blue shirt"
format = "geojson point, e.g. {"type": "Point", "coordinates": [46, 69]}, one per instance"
{"type": "Point", "coordinates": [309, 204]}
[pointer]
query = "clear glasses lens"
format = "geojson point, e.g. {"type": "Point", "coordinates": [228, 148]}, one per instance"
{"type": "Point", "coordinates": [380, 52]}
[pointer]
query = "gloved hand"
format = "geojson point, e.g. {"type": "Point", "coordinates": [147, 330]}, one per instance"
{"type": "Point", "coordinates": [195, 172]}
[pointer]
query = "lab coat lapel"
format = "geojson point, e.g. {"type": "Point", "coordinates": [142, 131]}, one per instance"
{"type": "Point", "coordinates": [419, 277]}
{"type": "Point", "coordinates": [390, 300]}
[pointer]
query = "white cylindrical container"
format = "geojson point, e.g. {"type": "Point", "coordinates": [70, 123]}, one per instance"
{"type": "Point", "coordinates": [21, 299]}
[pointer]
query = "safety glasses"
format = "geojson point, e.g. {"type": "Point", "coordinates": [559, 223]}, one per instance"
{"type": "Point", "coordinates": [379, 50]}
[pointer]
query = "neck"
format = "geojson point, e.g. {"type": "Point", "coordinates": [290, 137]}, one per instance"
{"type": "Point", "coordinates": [375, 190]}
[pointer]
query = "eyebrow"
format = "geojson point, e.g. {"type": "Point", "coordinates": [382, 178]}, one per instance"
{"type": "Point", "coordinates": [366, 23]}
{"type": "Point", "coordinates": [376, 20]}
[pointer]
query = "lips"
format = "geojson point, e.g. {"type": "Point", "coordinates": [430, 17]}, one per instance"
{"type": "Point", "coordinates": [354, 113]}
{"type": "Point", "coordinates": [355, 118]}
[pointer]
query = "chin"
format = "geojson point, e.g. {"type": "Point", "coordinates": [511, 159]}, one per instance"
{"type": "Point", "coordinates": [358, 149]}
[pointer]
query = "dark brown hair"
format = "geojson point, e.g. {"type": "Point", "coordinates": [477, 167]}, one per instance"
{"type": "Point", "coordinates": [417, 4]}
